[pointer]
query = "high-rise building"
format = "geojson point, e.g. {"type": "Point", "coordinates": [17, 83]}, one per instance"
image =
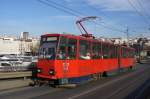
{"type": "Point", "coordinates": [24, 35]}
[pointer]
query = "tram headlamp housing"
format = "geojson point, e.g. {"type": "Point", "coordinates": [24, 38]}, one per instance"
{"type": "Point", "coordinates": [39, 70]}
{"type": "Point", "coordinates": [51, 72]}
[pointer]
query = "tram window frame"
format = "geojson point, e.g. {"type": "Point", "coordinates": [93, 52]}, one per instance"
{"type": "Point", "coordinates": [73, 45]}
{"type": "Point", "coordinates": [84, 51]}
{"type": "Point", "coordinates": [43, 39]}
{"type": "Point", "coordinates": [112, 51]}
{"type": "Point", "coordinates": [96, 50]}
{"type": "Point", "coordinates": [46, 39]}
{"type": "Point", "coordinates": [105, 50]}
{"type": "Point", "coordinates": [124, 52]}
{"type": "Point", "coordinates": [62, 48]}
{"type": "Point", "coordinates": [116, 51]}
{"type": "Point", "coordinates": [128, 53]}
{"type": "Point", "coordinates": [132, 53]}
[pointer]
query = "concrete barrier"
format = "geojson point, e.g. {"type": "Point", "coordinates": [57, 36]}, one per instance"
{"type": "Point", "coordinates": [13, 84]}
{"type": "Point", "coordinates": [7, 75]}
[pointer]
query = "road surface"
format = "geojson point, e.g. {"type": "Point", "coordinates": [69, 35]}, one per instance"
{"type": "Point", "coordinates": [127, 85]}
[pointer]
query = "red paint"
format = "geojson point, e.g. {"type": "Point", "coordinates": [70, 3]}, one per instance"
{"type": "Point", "coordinates": [76, 68]}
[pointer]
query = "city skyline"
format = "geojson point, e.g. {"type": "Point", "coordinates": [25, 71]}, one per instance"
{"type": "Point", "coordinates": [115, 16]}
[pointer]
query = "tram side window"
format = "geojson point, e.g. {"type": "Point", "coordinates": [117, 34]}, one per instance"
{"type": "Point", "coordinates": [112, 51]}
{"type": "Point", "coordinates": [61, 53]}
{"type": "Point", "coordinates": [105, 51]}
{"type": "Point", "coordinates": [132, 52]}
{"type": "Point", "coordinates": [124, 52]}
{"type": "Point", "coordinates": [84, 52]}
{"type": "Point", "coordinates": [96, 49]}
{"type": "Point", "coordinates": [116, 51]}
{"type": "Point", "coordinates": [72, 45]}
{"type": "Point", "coordinates": [128, 53]}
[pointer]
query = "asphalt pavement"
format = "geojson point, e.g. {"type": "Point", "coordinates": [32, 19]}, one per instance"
{"type": "Point", "coordinates": [127, 85]}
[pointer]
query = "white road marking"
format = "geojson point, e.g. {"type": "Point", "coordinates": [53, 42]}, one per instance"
{"type": "Point", "coordinates": [104, 85]}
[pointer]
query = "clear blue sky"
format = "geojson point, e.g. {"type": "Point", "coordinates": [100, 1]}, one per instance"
{"type": "Point", "coordinates": [32, 16]}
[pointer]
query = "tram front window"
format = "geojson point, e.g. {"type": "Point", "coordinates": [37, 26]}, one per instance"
{"type": "Point", "coordinates": [48, 48]}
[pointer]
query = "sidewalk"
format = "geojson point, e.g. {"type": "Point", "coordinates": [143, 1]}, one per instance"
{"type": "Point", "coordinates": [14, 83]}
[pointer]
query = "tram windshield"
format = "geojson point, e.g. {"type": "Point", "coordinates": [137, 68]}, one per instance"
{"type": "Point", "coordinates": [48, 47]}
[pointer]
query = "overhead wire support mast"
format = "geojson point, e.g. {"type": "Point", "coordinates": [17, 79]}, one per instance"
{"type": "Point", "coordinates": [127, 33]}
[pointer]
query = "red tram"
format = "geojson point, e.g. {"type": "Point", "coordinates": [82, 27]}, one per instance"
{"type": "Point", "coordinates": [64, 58]}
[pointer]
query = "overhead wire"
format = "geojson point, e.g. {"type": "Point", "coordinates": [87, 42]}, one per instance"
{"type": "Point", "coordinates": [141, 5]}
{"type": "Point", "coordinates": [138, 12]}
{"type": "Point", "coordinates": [58, 8]}
{"type": "Point", "coordinates": [94, 8]}
{"type": "Point", "coordinates": [107, 26]}
{"type": "Point", "coordinates": [73, 12]}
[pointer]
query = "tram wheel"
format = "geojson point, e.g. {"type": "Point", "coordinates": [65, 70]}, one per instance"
{"type": "Point", "coordinates": [104, 74]}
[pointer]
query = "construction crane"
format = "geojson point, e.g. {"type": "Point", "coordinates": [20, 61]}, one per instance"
{"type": "Point", "coordinates": [82, 28]}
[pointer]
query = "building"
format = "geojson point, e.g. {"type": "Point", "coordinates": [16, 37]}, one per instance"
{"type": "Point", "coordinates": [24, 36]}
{"type": "Point", "coordinates": [14, 45]}
{"type": "Point", "coordinates": [9, 45]}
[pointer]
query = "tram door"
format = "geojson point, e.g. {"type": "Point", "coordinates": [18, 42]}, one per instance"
{"type": "Point", "coordinates": [62, 56]}
{"type": "Point", "coordinates": [67, 48]}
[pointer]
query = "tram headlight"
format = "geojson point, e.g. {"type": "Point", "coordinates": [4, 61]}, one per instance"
{"type": "Point", "coordinates": [51, 72]}
{"type": "Point", "coordinates": [39, 70]}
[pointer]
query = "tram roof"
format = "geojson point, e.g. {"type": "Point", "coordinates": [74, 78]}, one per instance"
{"type": "Point", "coordinates": [83, 38]}
{"type": "Point", "coordinates": [59, 34]}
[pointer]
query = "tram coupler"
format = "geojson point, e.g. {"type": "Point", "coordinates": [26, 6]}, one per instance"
{"type": "Point", "coordinates": [67, 86]}
{"type": "Point", "coordinates": [38, 82]}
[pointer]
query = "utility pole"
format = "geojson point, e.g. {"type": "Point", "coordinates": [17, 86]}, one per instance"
{"type": "Point", "coordinates": [149, 29]}
{"type": "Point", "coordinates": [127, 33]}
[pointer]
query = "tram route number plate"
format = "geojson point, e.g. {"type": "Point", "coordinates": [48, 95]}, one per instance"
{"type": "Point", "coordinates": [65, 66]}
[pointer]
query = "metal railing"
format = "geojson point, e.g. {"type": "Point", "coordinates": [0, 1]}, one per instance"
{"type": "Point", "coordinates": [14, 68]}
